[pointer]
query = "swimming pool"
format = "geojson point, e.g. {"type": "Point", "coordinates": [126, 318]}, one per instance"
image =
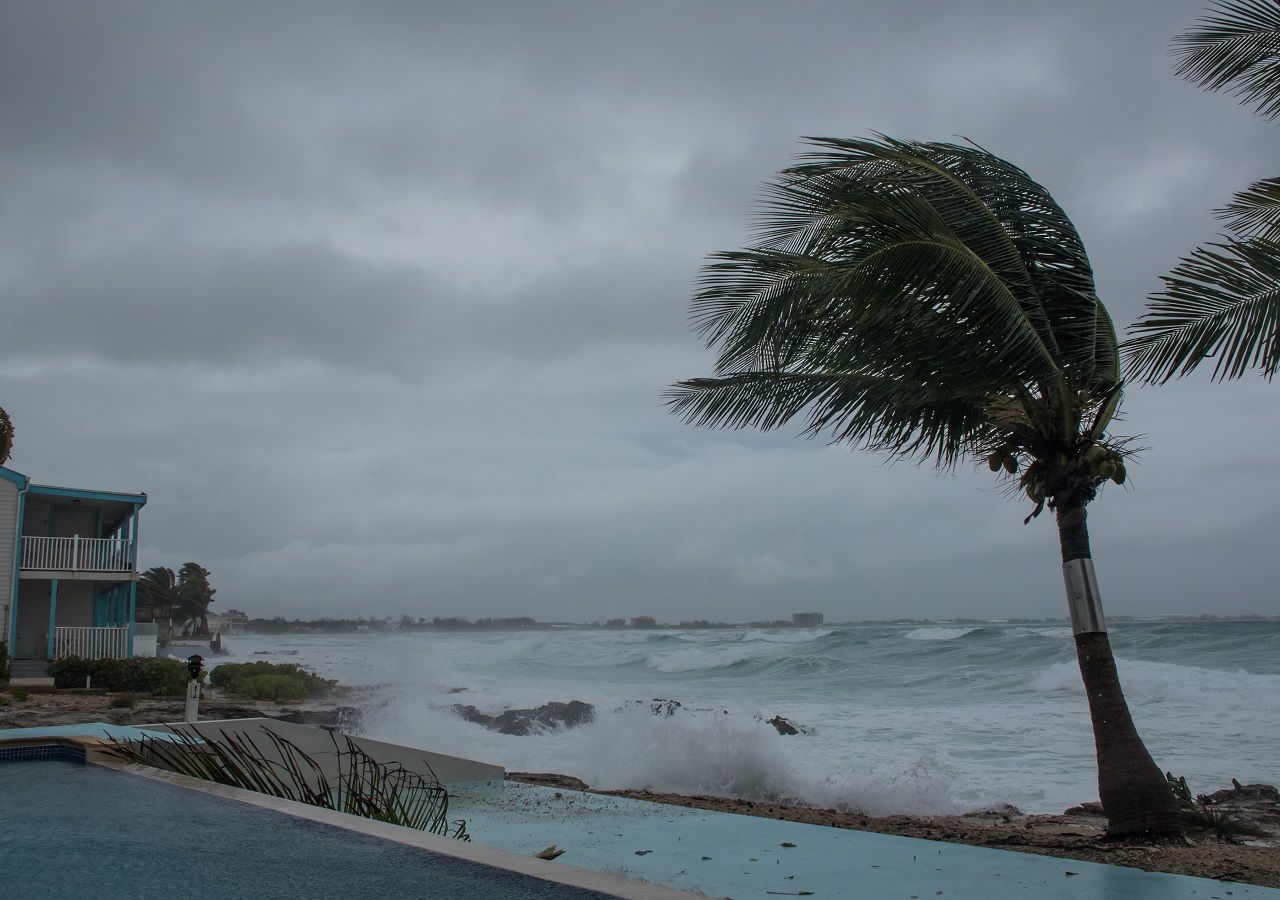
{"type": "Point", "coordinates": [74, 830]}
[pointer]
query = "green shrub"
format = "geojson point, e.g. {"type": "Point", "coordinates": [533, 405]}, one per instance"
{"type": "Point", "coordinates": [121, 701]}
{"type": "Point", "coordinates": [4, 661]}
{"type": "Point", "coordinates": [141, 674]}
{"type": "Point", "coordinates": [4, 701]}
{"type": "Point", "coordinates": [270, 681]}
{"type": "Point", "coordinates": [19, 694]}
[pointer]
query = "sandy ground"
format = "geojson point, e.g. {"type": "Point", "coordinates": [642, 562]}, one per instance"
{"type": "Point", "coordinates": [1255, 860]}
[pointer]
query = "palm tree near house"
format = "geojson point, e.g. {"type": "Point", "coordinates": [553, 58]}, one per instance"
{"type": "Point", "coordinates": [932, 302]}
{"type": "Point", "coordinates": [6, 436]}
{"type": "Point", "coordinates": [194, 594]}
{"type": "Point", "coordinates": [1223, 301]}
{"type": "Point", "coordinates": [157, 597]}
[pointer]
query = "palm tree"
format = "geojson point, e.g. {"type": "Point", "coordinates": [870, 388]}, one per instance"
{"type": "Point", "coordinates": [6, 436]}
{"type": "Point", "coordinates": [1223, 301]}
{"type": "Point", "coordinates": [933, 302]}
{"type": "Point", "coordinates": [158, 595]}
{"type": "Point", "coordinates": [194, 594]}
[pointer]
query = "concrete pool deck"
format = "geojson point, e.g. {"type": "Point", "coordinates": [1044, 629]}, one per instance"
{"type": "Point", "coordinates": [628, 848]}
{"type": "Point", "coordinates": [730, 855]}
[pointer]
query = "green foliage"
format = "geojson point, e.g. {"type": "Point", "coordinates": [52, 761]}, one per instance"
{"type": "Point", "coordinates": [4, 661]}
{"type": "Point", "coordinates": [4, 701]}
{"type": "Point", "coordinates": [1222, 302]}
{"type": "Point", "coordinates": [6, 435]}
{"type": "Point", "coordinates": [926, 300]}
{"type": "Point", "coordinates": [1197, 812]}
{"type": "Point", "coordinates": [361, 785]}
{"type": "Point", "coordinates": [157, 593]}
{"type": "Point", "coordinates": [270, 681]}
{"type": "Point", "coordinates": [162, 677]}
{"type": "Point", "coordinates": [194, 594]}
{"type": "Point", "coordinates": [19, 694]}
{"type": "Point", "coordinates": [123, 701]}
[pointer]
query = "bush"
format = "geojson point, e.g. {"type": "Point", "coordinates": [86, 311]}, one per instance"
{"type": "Point", "coordinates": [141, 674]}
{"type": "Point", "coordinates": [121, 701]}
{"type": "Point", "coordinates": [270, 681]}
{"type": "Point", "coordinates": [19, 694]}
{"type": "Point", "coordinates": [4, 661]}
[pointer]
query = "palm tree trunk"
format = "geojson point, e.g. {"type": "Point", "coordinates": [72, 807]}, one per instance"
{"type": "Point", "coordinates": [1134, 794]}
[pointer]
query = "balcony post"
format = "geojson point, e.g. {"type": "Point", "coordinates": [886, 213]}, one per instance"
{"type": "Point", "coordinates": [133, 579]}
{"type": "Point", "coordinates": [53, 617]}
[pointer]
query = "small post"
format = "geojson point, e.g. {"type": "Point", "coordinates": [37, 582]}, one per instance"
{"type": "Point", "coordinates": [192, 712]}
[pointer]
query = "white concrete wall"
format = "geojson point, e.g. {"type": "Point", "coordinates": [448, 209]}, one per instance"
{"type": "Point", "coordinates": [318, 743]}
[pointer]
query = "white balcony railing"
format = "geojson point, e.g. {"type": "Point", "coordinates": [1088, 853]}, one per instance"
{"type": "Point", "coordinates": [90, 643]}
{"type": "Point", "coordinates": [77, 554]}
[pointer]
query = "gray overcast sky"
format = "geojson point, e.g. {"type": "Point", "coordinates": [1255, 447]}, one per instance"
{"type": "Point", "coordinates": [377, 301]}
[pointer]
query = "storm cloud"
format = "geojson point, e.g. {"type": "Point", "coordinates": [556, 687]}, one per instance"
{"type": "Point", "coordinates": [377, 301]}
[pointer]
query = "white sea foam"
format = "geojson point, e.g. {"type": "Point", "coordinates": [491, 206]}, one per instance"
{"type": "Point", "coordinates": [897, 726]}
{"type": "Point", "coordinates": [1156, 682]}
{"type": "Point", "coordinates": [937, 633]}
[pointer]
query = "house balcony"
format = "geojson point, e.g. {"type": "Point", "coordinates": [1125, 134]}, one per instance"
{"type": "Point", "coordinates": [73, 557]}
{"type": "Point", "coordinates": [90, 643]}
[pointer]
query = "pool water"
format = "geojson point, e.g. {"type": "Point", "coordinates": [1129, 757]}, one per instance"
{"type": "Point", "coordinates": [74, 830]}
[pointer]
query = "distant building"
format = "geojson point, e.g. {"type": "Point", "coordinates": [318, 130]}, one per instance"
{"type": "Point", "coordinates": [806, 620]}
{"type": "Point", "coordinates": [643, 622]}
{"type": "Point", "coordinates": [616, 623]}
{"type": "Point", "coordinates": [231, 623]}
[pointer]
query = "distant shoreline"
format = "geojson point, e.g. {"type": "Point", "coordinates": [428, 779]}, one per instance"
{"type": "Point", "coordinates": [281, 626]}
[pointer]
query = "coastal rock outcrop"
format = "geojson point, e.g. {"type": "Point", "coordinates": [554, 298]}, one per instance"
{"type": "Point", "coordinates": [665, 708]}
{"type": "Point", "coordinates": [521, 722]}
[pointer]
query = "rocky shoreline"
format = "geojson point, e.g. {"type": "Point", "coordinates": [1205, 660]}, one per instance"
{"type": "Point", "coordinates": [1076, 834]}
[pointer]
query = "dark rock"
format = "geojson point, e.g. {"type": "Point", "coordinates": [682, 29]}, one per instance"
{"type": "Point", "coordinates": [520, 722]}
{"type": "Point", "coordinates": [549, 779]}
{"type": "Point", "coordinates": [1085, 809]}
{"type": "Point", "coordinates": [1264, 792]}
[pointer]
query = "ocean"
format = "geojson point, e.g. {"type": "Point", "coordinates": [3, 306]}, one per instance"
{"type": "Point", "coordinates": [900, 718]}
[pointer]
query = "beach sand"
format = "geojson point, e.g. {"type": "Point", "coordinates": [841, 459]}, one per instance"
{"type": "Point", "coordinates": [1080, 836]}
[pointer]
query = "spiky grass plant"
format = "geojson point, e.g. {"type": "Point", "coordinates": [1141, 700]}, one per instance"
{"type": "Point", "coordinates": [361, 785]}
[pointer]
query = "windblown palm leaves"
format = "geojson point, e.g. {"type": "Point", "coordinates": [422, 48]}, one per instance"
{"type": "Point", "coordinates": [6, 436]}
{"type": "Point", "coordinates": [355, 783]}
{"type": "Point", "coordinates": [1236, 49]}
{"type": "Point", "coordinates": [927, 300]}
{"type": "Point", "coordinates": [1223, 301]}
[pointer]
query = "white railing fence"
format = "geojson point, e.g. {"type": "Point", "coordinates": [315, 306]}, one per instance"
{"type": "Point", "coordinates": [77, 554]}
{"type": "Point", "coordinates": [90, 643]}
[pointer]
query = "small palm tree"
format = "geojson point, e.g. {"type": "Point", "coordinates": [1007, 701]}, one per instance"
{"type": "Point", "coordinates": [6, 436]}
{"type": "Point", "coordinates": [192, 599]}
{"type": "Point", "coordinates": [1223, 301]}
{"type": "Point", "coordinates": [933, 302]}
{"type": "Point", "coordinates": [157, 596]}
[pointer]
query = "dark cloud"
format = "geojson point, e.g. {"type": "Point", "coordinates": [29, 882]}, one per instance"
{"type": "Point", "coordinates": [377, 302]}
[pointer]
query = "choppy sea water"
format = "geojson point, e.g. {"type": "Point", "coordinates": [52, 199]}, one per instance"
{"type": "Point", "coordinates": [902, 718]}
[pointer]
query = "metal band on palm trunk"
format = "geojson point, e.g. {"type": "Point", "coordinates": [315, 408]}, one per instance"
{"type": "Point", "coordinates": [1083, 599]}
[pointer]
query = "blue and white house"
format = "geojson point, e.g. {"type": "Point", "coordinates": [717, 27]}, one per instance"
{"type": "Point", "coordinates": [68, 569]}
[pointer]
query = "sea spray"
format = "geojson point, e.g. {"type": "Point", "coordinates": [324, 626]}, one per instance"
{"type": "Point", "coordinates": [971, 716]}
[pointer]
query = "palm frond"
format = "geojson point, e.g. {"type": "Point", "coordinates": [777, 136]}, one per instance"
{"type": "Point", "coordinates": [358, 784]}
{"type": "Point", "coordinates": [1221, 303]}
{"type": "Point", "coordinates": [6, 436]}
{"type": "Point", "coordinates": [868, 412]}
{"type": "Point", "coordinates": [894, 289]}
{"type": "Point", "coordinates": [1236, 48]}
{"type": "Point", "coordinates": [1255, 212]}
